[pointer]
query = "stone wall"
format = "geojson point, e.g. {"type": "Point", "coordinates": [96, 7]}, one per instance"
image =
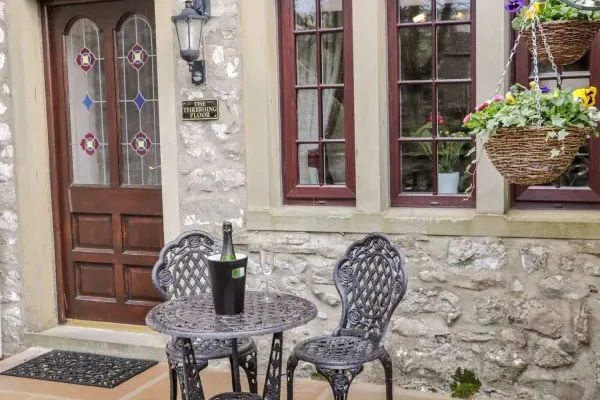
{"type": "Point", "coordinates": [523, 314]}
{"type": "Point", "coordinates": [10, 278]}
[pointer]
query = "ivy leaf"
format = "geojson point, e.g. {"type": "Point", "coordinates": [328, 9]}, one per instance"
{"type": "Point", "coordinates": [554, 153]}
{"type": "Point", "coordinates": [558, 121]}
{"type": "Point", "coordinates": [562, 134]}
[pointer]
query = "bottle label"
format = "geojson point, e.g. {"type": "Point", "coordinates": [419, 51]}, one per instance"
{"type": "Point", "coordinates": [238, 273]}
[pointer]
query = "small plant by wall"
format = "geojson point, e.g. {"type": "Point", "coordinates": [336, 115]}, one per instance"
{"type": "Point", "coordinates": [465, 384]}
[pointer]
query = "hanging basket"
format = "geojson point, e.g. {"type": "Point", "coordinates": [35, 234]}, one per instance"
{"type": "Point", "coordinates": [522, 155]}
{"type": "Point", "coordinates": [568, 40]}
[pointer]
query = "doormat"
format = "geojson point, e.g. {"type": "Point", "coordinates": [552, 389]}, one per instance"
{"type": "Point", "coordinates": [81, 369]}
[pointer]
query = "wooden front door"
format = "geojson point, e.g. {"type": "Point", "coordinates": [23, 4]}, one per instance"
{"type": "Point", "coordinates": [106, 145]}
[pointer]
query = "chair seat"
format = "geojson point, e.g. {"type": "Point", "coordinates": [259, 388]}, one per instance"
{"type": "Point", "coordinates": [236, 396]}
{"type": "Point", "coordinates": [338, 351]}
{"type": "Point", "coordinates": [209, 349]}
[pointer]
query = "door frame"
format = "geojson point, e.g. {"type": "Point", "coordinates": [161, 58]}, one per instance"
{"type": "Point", "coordinates": [40, 234]}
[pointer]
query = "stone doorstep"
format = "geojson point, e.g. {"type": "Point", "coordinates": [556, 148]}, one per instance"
{"type": "Point", "coordinates": [148, 346]}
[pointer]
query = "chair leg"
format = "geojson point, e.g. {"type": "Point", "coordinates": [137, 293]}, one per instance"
{"type": "Point", "coordinates": [291, 368]}
{"type": "Point", "coordinates": [250, 367]}
{"type": "Point", "coordinates": [231, 368]}
{"type": "Point", "coordinates": [340, 380]}
{"type": "Point", "coordinates": [173, 381]}
{"type": "Point", "coordinates": [386, 362]}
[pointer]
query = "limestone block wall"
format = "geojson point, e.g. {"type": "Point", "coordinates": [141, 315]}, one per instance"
{"type": "Point", "coordinates": [523, 314]}
{"type": "Point", "coordinates": [10, 275]}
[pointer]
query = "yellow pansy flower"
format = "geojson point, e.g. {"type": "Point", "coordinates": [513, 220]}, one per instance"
{"type": "Point", "coordinates": [536, 9]}
{"type": "Point", "coordinates": [587, 95]}
{"type": "Point", "coordinates": [510, 98]}
{"type": "Point", "coordinates": [556, 93]}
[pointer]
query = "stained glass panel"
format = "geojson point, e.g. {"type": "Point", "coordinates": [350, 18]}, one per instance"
{"type": "Point", "coordinates": [138, 99]}
{"type": "Point", "coordinates": [87, 104]}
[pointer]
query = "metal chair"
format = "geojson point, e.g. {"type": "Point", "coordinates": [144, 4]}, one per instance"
{"type": "Point", "coordinates": [371, 279]}
{"type": "Point", "coordinates": [181, 271]}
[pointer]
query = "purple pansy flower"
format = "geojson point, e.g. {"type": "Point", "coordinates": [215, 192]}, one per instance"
{"type": "Point", "coordinates": [545, 89]}
{"type": "Point", "coordinates": [513, 5]}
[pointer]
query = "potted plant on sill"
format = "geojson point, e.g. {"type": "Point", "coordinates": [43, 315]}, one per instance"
{"type": "Point", "coordinates": [532, 135]}
{"type": "Point", "coordinates": [449, 154]}
{"type": "Point", "coordinates": [568, 32]}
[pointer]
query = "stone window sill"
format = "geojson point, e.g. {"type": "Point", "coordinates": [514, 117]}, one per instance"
{"type": "Point", "coordinates": [446, 222]}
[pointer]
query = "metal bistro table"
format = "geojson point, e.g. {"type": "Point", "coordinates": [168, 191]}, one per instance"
{"type": "Point", "coordinates": [193, 317]}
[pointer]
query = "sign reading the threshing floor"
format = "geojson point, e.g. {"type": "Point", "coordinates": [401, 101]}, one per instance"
{"type": "Point", "coordinates": [200, 110]}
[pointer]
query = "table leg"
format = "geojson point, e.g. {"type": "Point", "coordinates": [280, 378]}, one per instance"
{"type": "Point", "coordinates": [235, 366]}
{"type": "Point", "coordinates": [272, 389]}
{"type": "Point", "coordinates": [191, 373]}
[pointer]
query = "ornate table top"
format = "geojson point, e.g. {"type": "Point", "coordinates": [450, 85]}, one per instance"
{"type": "Point", "coordinates": [194, 316]}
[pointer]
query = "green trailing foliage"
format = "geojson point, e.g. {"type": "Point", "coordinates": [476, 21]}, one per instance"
{"type": "Point", "coordinates": [465, 384]}
{"type": "Point", "coordinates": [552, 10]}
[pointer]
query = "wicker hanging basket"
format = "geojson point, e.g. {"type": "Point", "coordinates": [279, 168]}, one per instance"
{"type": "Point", "coordinates": [568, 40]}
{"type": "Point", "coordinates": [522, 155]}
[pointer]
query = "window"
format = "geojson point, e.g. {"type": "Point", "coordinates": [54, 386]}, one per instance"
{"type": "Point", "coordinates": [432, 75]}
{"type": "Point", "coordinates": [317, 102]}
{"type": "Point", "coordinates": [579, 186]}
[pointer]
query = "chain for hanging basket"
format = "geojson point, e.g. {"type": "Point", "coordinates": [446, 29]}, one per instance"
{"type": "Point", "coordinates": [531, 155]}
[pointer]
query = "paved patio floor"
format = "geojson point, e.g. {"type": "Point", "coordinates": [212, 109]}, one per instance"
{"type": "Point", "coordinates": [154, 385]}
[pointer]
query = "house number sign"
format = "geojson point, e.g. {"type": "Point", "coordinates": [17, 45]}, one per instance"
{"type": "Point", "coordinates": [200, 110]}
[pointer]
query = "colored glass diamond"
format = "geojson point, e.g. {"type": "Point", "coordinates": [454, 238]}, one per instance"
{"type": "Point", "coordinates": [139, 101]}
{"type": "Point", "coordinates": [137, 56]}
{"type": "Point", "coordinates": [141, 144]}
{"type": "Point", "coordinates": [88, 102]}
{"type": "Point", "coordinates": [89, 143]}
{"type": "Point", "coordinates": [85, 59]}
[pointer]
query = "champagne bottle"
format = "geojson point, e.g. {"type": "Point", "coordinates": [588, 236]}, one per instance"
{"type": "Point", "coordinates": [227, 254]}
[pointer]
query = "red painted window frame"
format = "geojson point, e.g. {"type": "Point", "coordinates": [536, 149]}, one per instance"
{"type": "Point", "coordinates": [544, 197]}
{"type": "Point", "coordinates": [318, 195]}
{"type": "Point", "coordinates": [399, 199]}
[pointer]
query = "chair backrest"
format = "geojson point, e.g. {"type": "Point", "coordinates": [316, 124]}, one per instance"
{"type": "Point", "coordinates": [181, 268]}
{"type": "Point", "coordinates": [371, 279]}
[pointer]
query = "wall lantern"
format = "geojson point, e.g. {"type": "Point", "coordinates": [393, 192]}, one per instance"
{"type": "Point", "coordinates": [189, 25]}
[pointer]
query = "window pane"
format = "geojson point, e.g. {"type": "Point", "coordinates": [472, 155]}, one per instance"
{"type": "Point", "coordinates": [578, 173]}
{"type": "Point", "coordinates": [306, 14]}
{"type": "Point", "coordinates": [335, 164]}
{"type": "Point", "coordinates": [416, 110]}
{"type": "Point", "coordinates": [452, 164]}
{"type": "Point", "coordinates": [453, 104]}
{"type": "Point", "coordinates": [415, 53]}
{"type": "Point", "coordinates": [87, 104]}
{"type": "Point", "coordinates": [332, 56]}
{"type": "Point", "coordinates": [331, 13]}
{"type": "Point", "coordinates": [308, 117]}
{"type": "Point", "coordinates": [454, 52]}
{"type": "Point", "coordinates": [416, 11]}
{"type": "Point", "coordinates": [306, 59]}
{"type": "Point", "coordinates": [308, 164]}
{"type": "Point", "coordinates": [138, 95]}
{"type": "Point", "coordinates": [453, 9]}
{"type": "Point", "coordinates": [416, 167]}
{"type": "Point", "coordinates": [333, 113]}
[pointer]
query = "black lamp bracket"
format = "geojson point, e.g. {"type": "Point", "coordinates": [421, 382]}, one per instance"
{"type": "Point", "coordinates": [202, 7]}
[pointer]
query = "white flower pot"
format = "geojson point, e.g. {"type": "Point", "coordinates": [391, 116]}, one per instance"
{"type": "Point", "coordinates": [448, 183]}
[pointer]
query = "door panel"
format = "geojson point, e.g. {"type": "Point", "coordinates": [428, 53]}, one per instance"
{"type": "Point", "coordinates": [103, 60]}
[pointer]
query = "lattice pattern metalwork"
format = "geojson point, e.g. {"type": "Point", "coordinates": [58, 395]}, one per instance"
{"type": "Point", "coordinates": [342, 351]}
{"type": "Point", "coordinates": [191, 374]}
{"type": "Point", "coordinates": [181, 269]}
{"type": "Point", "coordinates": [195, 316]}
{"type": "Point", "coordinates": [372, 280]}
{"type": "Point", "coordinates": [273, 379]}
{"type": "Point", "coordinates": [209, 349]}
